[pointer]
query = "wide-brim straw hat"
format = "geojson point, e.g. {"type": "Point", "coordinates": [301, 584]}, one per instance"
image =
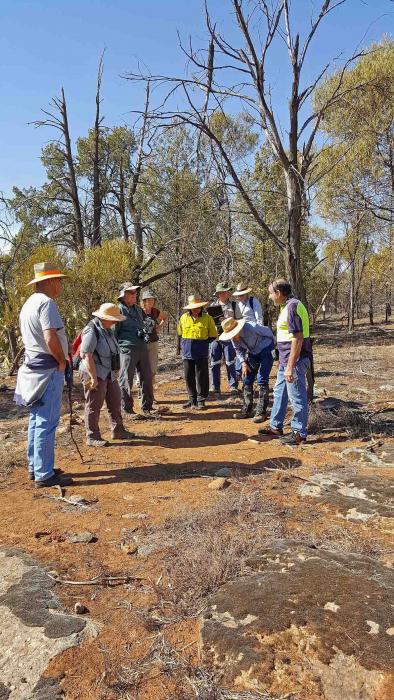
{"type": "Point", "coordinates": [231, 327]}
{"type": "Point", "coordinates": [241, 289]}
{"type": "Point", "coordinates": [45, 271]}
{"type": "Point", "coordinates": [127, 287]}
{"type": "Point", "coordinates": [194, 302]}
{"type": "Point", "coordinates": [109, 312]}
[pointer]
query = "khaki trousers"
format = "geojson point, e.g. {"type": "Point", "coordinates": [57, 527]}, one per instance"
{"type": "Point", "coordinates": [109, 392]}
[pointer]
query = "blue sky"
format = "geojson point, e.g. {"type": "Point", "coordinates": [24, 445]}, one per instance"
{"type": "Point", "coordinates": [46, 44]}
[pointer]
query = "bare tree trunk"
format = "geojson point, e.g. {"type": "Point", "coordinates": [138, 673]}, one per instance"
{"type": "Point", "coordinates": [79, 238]}
{"type": "Point", "coordinates": [97, 194]}
{"type": "Point", "coordinates": [13, 344]}
{"type": "Point", "coordinates": [350, 326]}
{"type": "Point", "coordinates": [371, 304]}
{"type": "Point", "coordinates": [122, 205]}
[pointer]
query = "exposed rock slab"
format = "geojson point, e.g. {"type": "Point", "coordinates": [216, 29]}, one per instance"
{"type": "Point", "coordinates": [33, 628]}
{"type": "Point", "coordinates": [308, 621]}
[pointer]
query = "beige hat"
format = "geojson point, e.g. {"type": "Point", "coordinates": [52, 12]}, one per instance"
{"type": "Point", "coordinates": [45, 271]}
{"type": "Point", "coordinates": [241, 289]}
{"type": "Point", "coordinates": [194, 302]}
{"type": "Point", "coordinates": [109, 312]}
{"type": "Point", "coordinates": [127, 287]}
{"type": "Point", "coordinates": [231, 327]}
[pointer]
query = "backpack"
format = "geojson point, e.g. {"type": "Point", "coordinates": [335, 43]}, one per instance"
{"type": "Point", "coordinates": [76, 358]}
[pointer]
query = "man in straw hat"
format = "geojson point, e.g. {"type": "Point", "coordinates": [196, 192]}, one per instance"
{"type": "Point", "coordinates": [40, 379]}
{"type": "Point", "coordinates": [197, 329]}
{"type": "Point", "coordinates": [295, 353]}
{"type": "Point", "coordinates": [99, 369]}
{"type": "Point", "coordinates": [133, 343]}
{"type": "Point", "coordinates": [247, 306]}
{"type": "Point", "coordinates": [222, 308]}
{"type": "Point", "coordinates": [254, 345]}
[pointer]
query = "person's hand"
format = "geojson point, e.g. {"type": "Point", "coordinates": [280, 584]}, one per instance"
{"type": "Point", "coordinates": [245, 369]}
{"type": "Point", "coordinates": [93, 383]}
{"type": "Point", "coordinates": [289, 374]}
{"type": "Point", "coordinates": [62, 366]}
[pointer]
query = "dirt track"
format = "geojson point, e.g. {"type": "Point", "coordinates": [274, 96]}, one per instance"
{"type": "Point", "coordinates": [163, 471]}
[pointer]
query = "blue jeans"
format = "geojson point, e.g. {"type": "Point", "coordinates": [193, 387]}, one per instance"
{"type": "Point", "coordinates": [43, 421]}
{"type": "Point", "coordinates": [218, 350]}
{"type": "Point", "coordinates": [260, 367]}
{"type": "Point", "coordinates": [297, 394]}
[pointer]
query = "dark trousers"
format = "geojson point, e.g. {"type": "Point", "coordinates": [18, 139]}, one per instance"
{"type": "Point", "coordinates": [94, 399]}
{"type": "Point", "coordinates": [260, 366]}
{"type": "Point", "coordinates": [218, 350]}
{"type": "Point", "coordinates": [129, 362]}
{"type": "Point", "coordinates": [197, 379]}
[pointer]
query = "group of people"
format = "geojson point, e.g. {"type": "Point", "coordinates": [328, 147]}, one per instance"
{"type": "Point", "coordinates": [122, 340]}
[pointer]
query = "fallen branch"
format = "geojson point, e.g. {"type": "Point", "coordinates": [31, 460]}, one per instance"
{"type": "Point", "coordinates": [102, 580]}
{"type": "Point", "coordinates": [67, 500]}
{"type": "Point", "coordinates": [289, 473]}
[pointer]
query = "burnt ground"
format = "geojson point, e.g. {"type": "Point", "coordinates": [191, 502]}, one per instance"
{"type": "Point", "coordinates": [279, 584]}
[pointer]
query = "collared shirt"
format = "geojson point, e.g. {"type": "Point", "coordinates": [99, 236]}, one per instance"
{"type": "Point", "coordinates": [128, 333]}
{"type": "Point", "coordinates": [39, 313]}
{"type": "Point", "coordinates": [102, 345]}
{"type": "Point", "coordinates": [293, 318]}
{"type": "Point", "coordinates": [196, 334]}
{"type": "Point", "coordinates": [253, 340]}
{"type": "Point", "coordinates": [250, 310]}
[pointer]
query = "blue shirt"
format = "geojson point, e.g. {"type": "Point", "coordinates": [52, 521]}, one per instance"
{"type": "Point", "coordinates": [253, 340]}
{"type": "Point", "coordinates": [250, 310]}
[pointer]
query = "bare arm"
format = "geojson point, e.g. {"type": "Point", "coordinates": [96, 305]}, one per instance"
{"type": "Point", "coordinates": [55, 348]}
{"type": "Point", "coordinates": [162, 317]}
{"type": "Point", "coordinates": [91, 368]}
{"type": "Point", "coordinates": [296, 345]}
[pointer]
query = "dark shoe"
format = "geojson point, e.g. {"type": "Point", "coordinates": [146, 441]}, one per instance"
{"type": "Point", "coordinates": [259, 417]}
{"type": "Point", "coordinates": [293, 439]}
{"type": "Point", "coordinates": [200, 406]}
{"type": "Point", "coordinates": [243, 413]}
{"type": "Point", "coordinates": [234, 394]}
{"type": "Point", "coordinates": [188, 404]}
{"type": "Point", "coordinates": [271, 432]}
{"type": "Point", "coordinates": [247, 407]}
{"type": "Point", "coordinates": [91, 442]}
{"type": "Point", "coordinates": [216, 395]}
{"type": "Point", "coordinates": [57, 470]}
{"type": "Point", "coordinates": [55, 480]}
{"type": "Point", "coordinates": [129, 411]}
{"type": "Point", "coordinates": [150, 413]}
{"type": "Point", "coordinates": [122, 434]}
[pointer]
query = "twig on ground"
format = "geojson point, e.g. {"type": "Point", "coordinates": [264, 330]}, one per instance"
{"type": "Point", "coordinates": [102, 580]}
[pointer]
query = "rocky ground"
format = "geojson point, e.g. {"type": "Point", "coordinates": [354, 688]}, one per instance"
{"type": "Point", "coordinates": [152, 577]}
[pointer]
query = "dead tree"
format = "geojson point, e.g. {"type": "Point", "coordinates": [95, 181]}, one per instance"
{"type": "Point", "coordinates": [135, 212]}
{"type": "Point", "coordinates": [97, 187]}
{"type": "Point", "coordinates": [67, 185]}
{"type": "Point", "coordinates": [211, 84]}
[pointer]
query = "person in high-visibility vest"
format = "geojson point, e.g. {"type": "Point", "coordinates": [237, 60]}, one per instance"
{"type": "Point", "coordinates": [197, 329]}
{"type": "Point", "coordinates": [295, 353]}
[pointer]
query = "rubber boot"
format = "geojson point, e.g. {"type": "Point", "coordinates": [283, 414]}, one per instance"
{"type": "Point", "coordinates": [247, 405]}
{"type": "Point", "coordinates": [261, 410]}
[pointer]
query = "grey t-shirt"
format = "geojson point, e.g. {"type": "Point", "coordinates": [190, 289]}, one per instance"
{"type": "Point", "coordinates": [39, 313]}
{"type": "Point", "coordinates": [101, 347]}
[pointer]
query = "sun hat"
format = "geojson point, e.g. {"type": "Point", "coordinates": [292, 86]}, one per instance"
{"type": "Point", "coordinates": [223, 287]}
{"type": "Point", "coordinates": [241, 289]}
{"type": "Point", "coordinates": [231, 327]}
{"type": "Point", "coordinates": [194, 302]}
{"type": "Point", "coordinates": [109, 312]}
{"type": "Point", "coordinates": [45, 271]}
{"type": "Point", "coordinates": [127, 287]}
{"type": "Point", "coordinates": [148, 294]}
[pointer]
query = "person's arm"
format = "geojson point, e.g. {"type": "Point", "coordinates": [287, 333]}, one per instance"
{"type": "Point", "coordinates": [91, 368]}
{"type": "Point", "coordinates": [295, 350]}
{"type": "Point", "coordinates": [54, 346]}
{"type": "Point", "coordinates": [162, 317]}
{"type": "Point", "coordinates": [212, 332]}
{"type": "Point", "coordinates": [258, 311]}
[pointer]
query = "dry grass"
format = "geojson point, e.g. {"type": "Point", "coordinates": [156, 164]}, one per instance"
{"type": "Point", "coordinates": [207, 547]}
{"type": "Point", "coordinates": [353, 422]}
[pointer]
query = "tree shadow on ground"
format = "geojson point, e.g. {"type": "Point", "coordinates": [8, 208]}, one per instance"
{"type": "Point", "coordinates": [175, 472]}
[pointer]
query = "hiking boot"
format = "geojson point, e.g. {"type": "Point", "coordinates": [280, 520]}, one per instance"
{"type": "Point", "coordinates": [271, 432]}
{"type": "Point", "coordinates": [129, 411]}
{"type": "Point", "coordinates": [55, 480]}
{"type": "Point", "coordinates": [216, 395]}
{"type": "Point", "coordinates": [57, 470]}
{"type": "Point", "coordinates": [247, 407]}
{"type": "Point", "coordinates": [261, 409]}
{"type": "Point", "coordinates": [293, 439]}
{"type": "Point", "coordinates": [122, 434]}
{"type": "Point", "coordinates": [189, 404]}
{"type": "Point", "coordinates": [234, 394]}
{"type": "Point", "coordinates": [259, 417]}
{"type": "Point", "coordinates": [149, 413]}
{"type": "Point", "coordinates": [97, 442]}
{"type": "Point", "coordinates": [200, 406]}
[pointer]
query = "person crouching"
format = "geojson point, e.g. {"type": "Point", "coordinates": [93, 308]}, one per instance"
{"type": "Point", "coordinates": [99, 369]}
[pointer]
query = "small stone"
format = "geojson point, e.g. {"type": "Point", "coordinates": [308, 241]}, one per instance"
{"type": "Point", "coordinates": [390, 631]}
{"type": "Point", "coordinates": [77, 499]}
{"type": "Point", "coordinates": [6, 436]}
{"type": "Point", "coordinates": [81, 537]}
{"type": "Point", "coordinates": [128, 516]}
{"type": "Point", "coordinates": [146, 549]}
{"type": "Point", "coordinates": [219, 484]}
{"type": "Point", "coordinates": [63, 430]}
{"type": "Point", "coordinates": [129, 547]}
{"type": "Point", "coordinates": [224, 471]}
{"type": "Point", "coordinates": [80, 609]}
{"type": "Point", "coordinates": [331, 606]}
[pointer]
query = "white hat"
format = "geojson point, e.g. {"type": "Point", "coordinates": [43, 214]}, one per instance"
{"type": "Point", "coordinates": [194, 302]}
{"type": "Point", "coordinates": [241, 289]}
{"type": "Point", "coordinates": [231, 327]}
{"type": "Point", "coordinates": [109, 312]}
{"type": "Point", "coordinates": [127, 287]}
{"type": "Point", "coordinates": [45, 271]}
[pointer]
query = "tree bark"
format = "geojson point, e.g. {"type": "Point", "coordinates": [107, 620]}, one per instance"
{"type": "Point", "coordinates": [97, 195]}
{"type": "Point", "coordinates": [78, 237]}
